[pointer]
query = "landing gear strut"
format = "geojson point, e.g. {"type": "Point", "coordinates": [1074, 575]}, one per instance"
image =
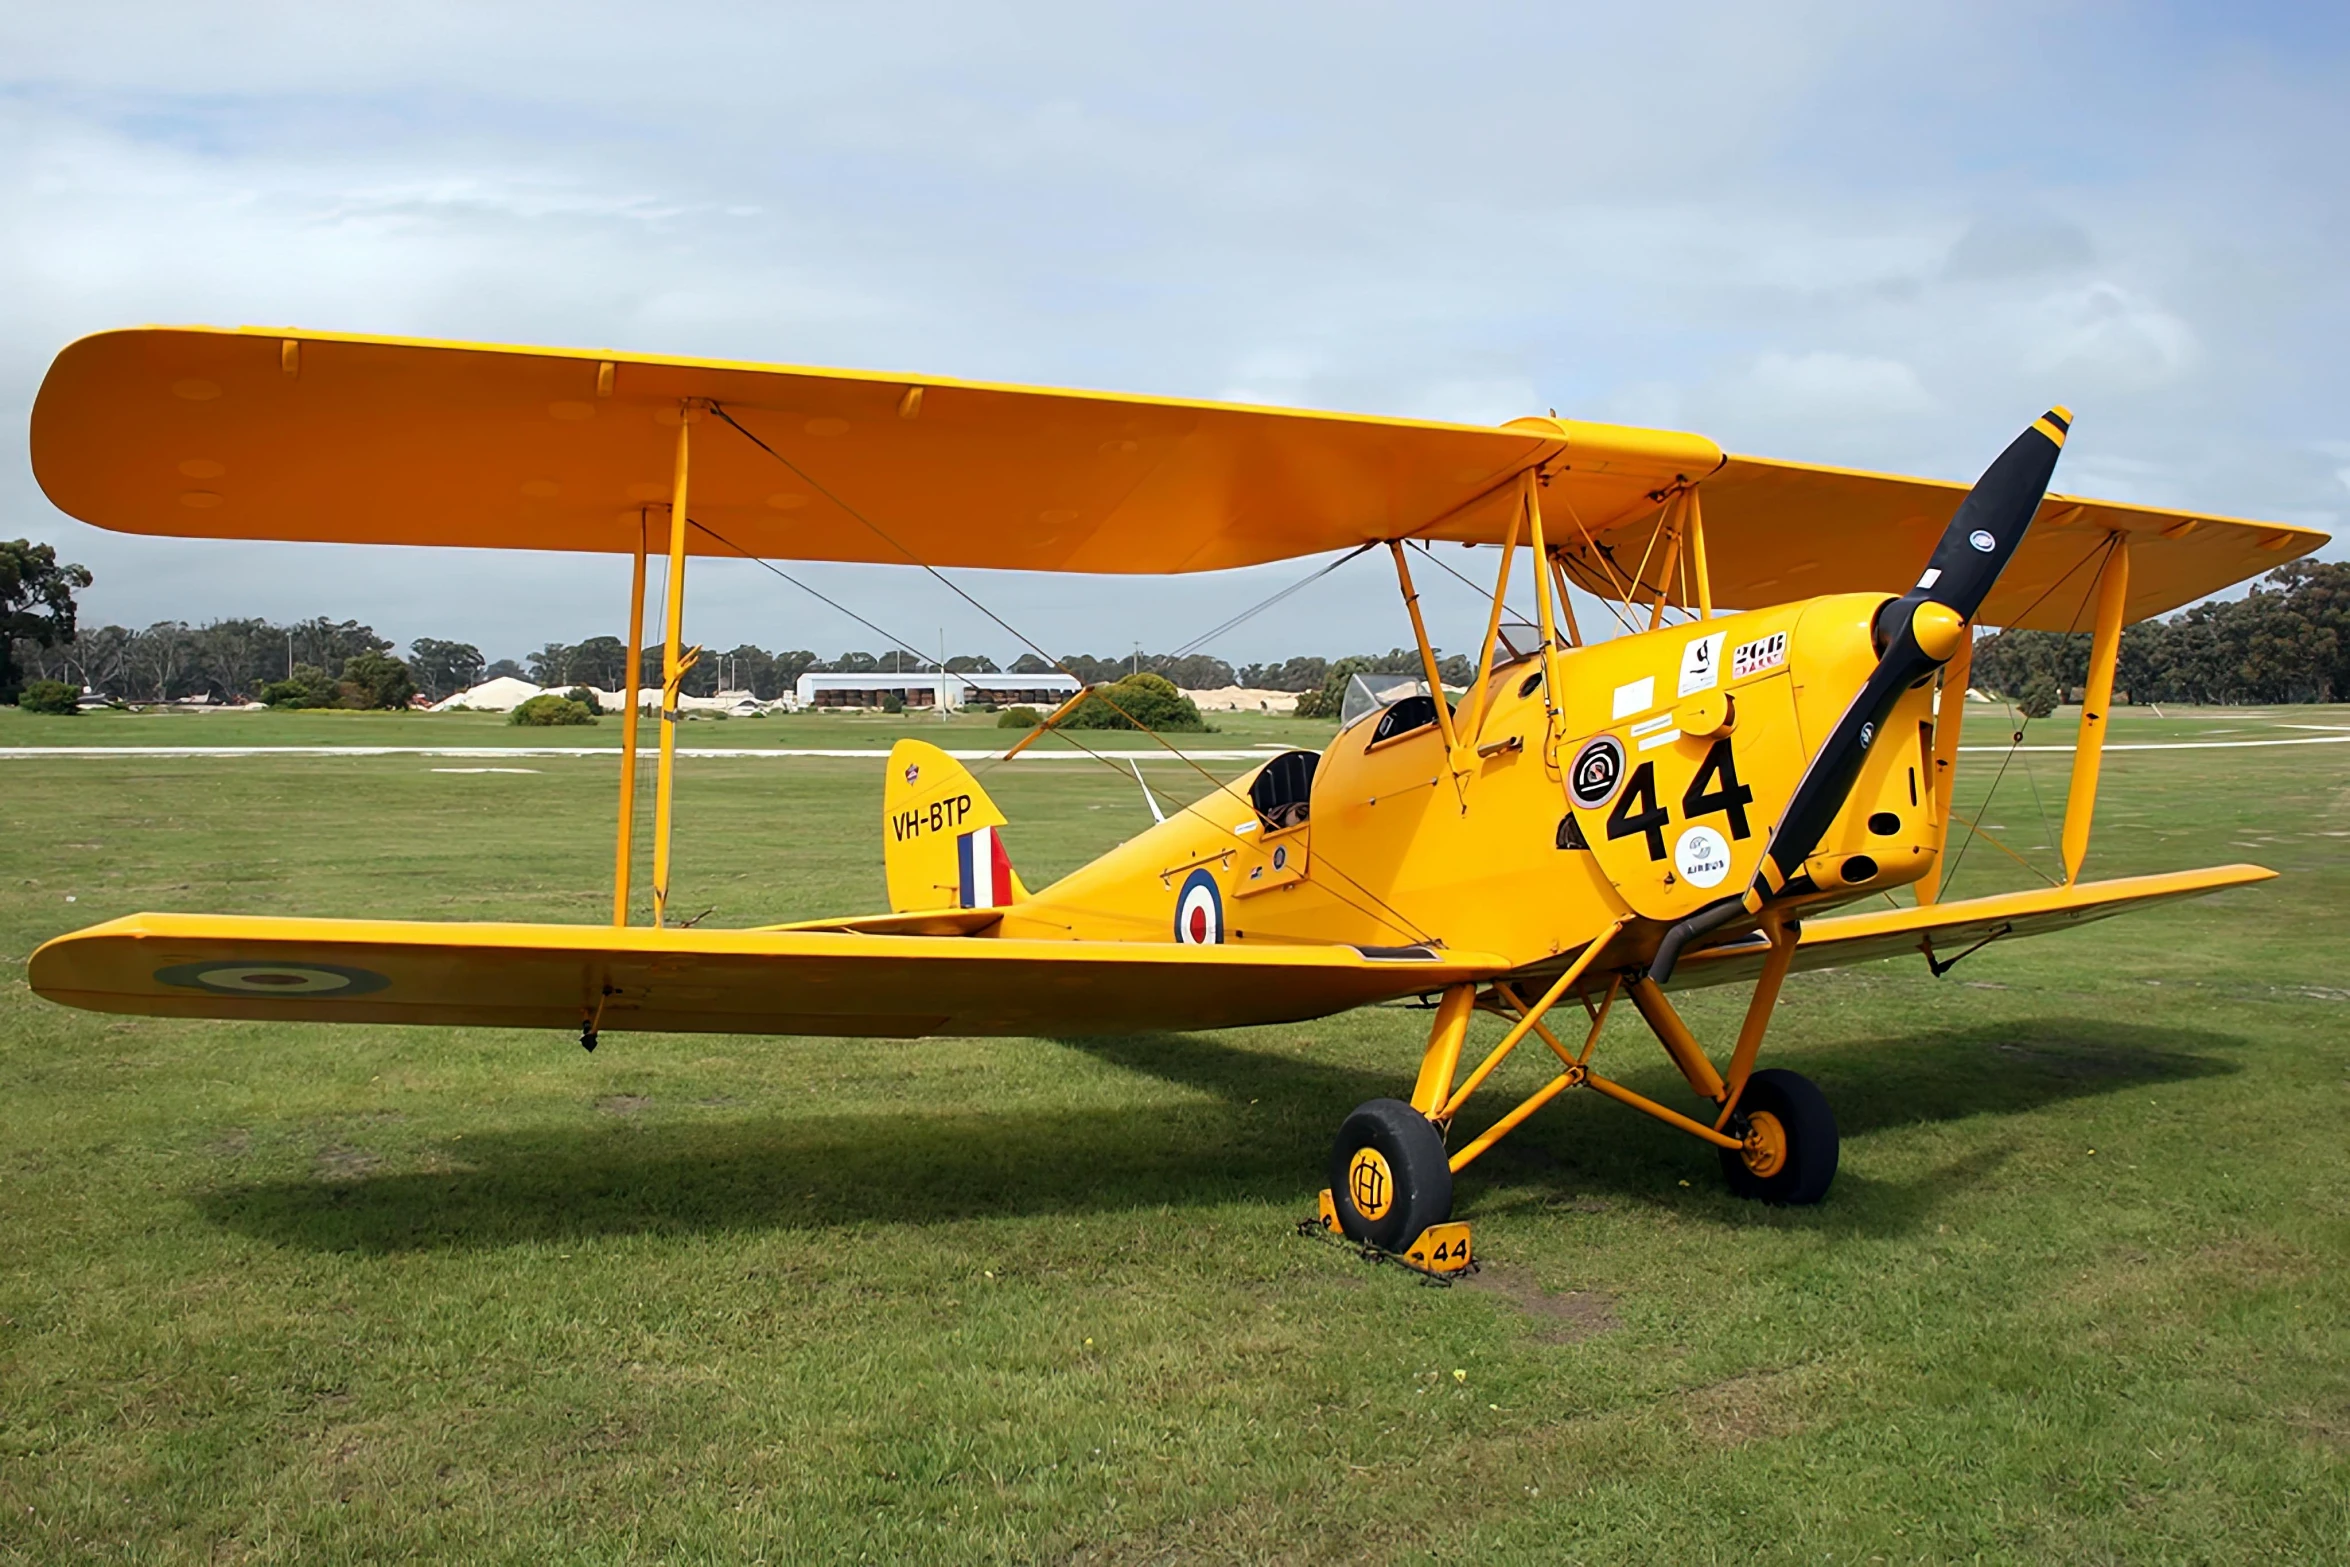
{"type": "Point", "coordinates": [1390, 1170]}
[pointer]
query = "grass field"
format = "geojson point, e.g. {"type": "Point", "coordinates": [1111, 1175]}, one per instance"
{"type": "Point", "coordinates": [303, 1294]}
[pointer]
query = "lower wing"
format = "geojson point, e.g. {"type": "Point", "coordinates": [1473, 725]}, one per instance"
{"type": "Point", "coordinates": [1945, 931]}
{"type": "Point", "coordinates": [738, 982]}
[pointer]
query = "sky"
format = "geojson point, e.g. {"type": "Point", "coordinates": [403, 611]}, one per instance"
{"type": "Point", "coordinates": [1884, 236]}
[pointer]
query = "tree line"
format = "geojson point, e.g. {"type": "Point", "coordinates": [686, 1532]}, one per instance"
{"type": "Point", "coordinates": [227, 660]}
{"type": "Point", "coordinates": [2288, 640]}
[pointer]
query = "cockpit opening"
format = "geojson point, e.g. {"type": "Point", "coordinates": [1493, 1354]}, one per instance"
{"type": "Point", "coordinates": [1283, 792]}
{"type": "Point", "coordinates": [1404, 716]}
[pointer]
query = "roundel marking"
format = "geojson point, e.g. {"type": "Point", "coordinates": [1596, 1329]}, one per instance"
{"type": "Point", "coordinates": [273, 979]}
{"type": "Point", "coordinates": [1982, 541]}
{"type": "Point", "coordinates": [1598, 768]}
{"type": "Point", "coordinates": [1370, 1183]}
{"type": "Point", "coordinates": [1199, 911]}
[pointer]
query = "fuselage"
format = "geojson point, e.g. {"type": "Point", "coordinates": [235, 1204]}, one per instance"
{"type": "Point", "coordinates": [1648, 793]}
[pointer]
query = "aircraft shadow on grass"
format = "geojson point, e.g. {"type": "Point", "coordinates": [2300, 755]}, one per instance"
{"type": "Point", "coordinates": [1256, 1136]}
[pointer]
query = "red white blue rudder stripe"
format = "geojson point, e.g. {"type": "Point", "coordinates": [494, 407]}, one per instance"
{"type": "Point", "coordinates": [985, 868]}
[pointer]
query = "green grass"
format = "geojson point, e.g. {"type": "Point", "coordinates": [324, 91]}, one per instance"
{"type": "Point", "coordinates": [280, 1294]}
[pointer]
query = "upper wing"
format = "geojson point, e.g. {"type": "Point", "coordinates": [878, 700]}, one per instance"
{"type": "Point", "coordinates": [273, 434]}
{"type": "Point", "coordinates": [1781, 530]}
{"type": "Point", "coordinates": [740, 982]}
{"type": "Point", "coordinates": [1944, 930]}
{"type": "Point", "coordinates": [268, 433]}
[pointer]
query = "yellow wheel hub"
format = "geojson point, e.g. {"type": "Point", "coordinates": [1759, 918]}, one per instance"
{"type": "Point", "coordinates": [1766, 1144]}
{"type": "Point", "coordinates": [1370, 1183]}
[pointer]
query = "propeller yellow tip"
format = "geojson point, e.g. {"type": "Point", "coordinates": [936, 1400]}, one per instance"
{"type": "Point", "coordinates": [2062, 412]}
{"type": "Point", "coordinates": [2056, 423]}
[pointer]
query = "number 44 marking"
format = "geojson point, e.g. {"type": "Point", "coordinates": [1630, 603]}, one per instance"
{"type": "Point", "coordinates": [1715, 788]}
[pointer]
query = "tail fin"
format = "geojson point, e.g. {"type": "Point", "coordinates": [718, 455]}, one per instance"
{"type": "Point", "coordinates": [938, 835]}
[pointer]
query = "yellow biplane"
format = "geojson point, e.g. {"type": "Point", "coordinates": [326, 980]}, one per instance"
{"type": "Point", "coordinates": [1773, 734]}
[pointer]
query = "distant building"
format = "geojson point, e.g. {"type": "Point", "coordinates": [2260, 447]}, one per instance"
{"type": "Point", "coordinates": [933, 688]}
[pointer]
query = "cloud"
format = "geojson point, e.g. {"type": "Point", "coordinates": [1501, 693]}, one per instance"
{"type": "Point", "coordinates": [1827, 386]}
{"type": "Point", "coordinates": [2018, 245]}
{"type": "Point", "coordinates": [2111, 338]}
{"type": "Point", "coordinates": [1833, 231]}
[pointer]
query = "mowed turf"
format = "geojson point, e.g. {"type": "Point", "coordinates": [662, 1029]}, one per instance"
{"type": "Point", "coordinates": [306, 1293]}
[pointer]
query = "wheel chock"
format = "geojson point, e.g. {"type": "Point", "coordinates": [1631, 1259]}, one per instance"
{"type": "Point", "coordinates": [1441, 1250]}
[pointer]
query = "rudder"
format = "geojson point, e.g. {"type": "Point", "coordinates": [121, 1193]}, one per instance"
{"type": "Point", "coordinates": [939, 835]}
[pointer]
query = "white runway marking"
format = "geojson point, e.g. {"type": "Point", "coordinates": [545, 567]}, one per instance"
{"type": "Point", "coordinates": [28, 752]}
{"type": "Point", "coordinates": [647, 754]}
{"type": "Point", "coordinates": [2172, 745]}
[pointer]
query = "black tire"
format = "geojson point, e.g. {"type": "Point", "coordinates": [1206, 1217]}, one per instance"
{"type": "Point", "coordinates": [1792, 1168]}
{"type": "Point", "coordinates": [1410, 1172]}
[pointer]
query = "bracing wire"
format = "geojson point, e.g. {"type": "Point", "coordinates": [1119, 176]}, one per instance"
{"type": "Point", "coordinates": [1394, 918]}
{"type": "Point", "coordinates": [1429, 554]}
{"type": "Point", "coordinates": [888, 636]}
{"type": "Point", "coordinates": [1246, 615]}
{"type": "Point", "coordinates": [2072, 628]}
{"type": "Point", "coordinates": [937, 575]}
{"type": "Point", "coordinates": [1606, 561]}
{"type": "Point", "coordinates": [2016, 737]}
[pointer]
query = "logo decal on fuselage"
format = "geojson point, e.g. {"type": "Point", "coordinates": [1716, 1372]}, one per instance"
{"type": "Point", "coordinates": [1701, 664]}
{"type": "Point", "coordinates": [1752, 658]}
{"type": "Point", "coordinates": [1702, 857]}
{"type": "Point", "coordinates": [1598, 768]}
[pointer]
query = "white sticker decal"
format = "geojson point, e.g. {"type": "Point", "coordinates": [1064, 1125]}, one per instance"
{"type": "Point", "coordinates": [1649, 726]}
{"type": "Point", "coordinates": [1701, 664]}
{"type": "Point", "coordinates": [1702, 856]}
{"type": "Point", "coordinates": [1667, 738]}
{"type": "Point", "coordinates": [1932, 576]}
{"type": "Point", "coordinates": [1635, 696]}
{"type": "Point", "coordinates": [1752, 658]}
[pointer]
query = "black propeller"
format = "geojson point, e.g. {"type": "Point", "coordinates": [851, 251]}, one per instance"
{"type": "Point", "coordinates": [1916, 633]}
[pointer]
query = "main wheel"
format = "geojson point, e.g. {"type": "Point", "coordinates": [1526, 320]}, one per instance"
{"type": "Point", "coordinates": [1790, 1133]}
{"type": "Point", "coordinates": [1389, 1178]}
